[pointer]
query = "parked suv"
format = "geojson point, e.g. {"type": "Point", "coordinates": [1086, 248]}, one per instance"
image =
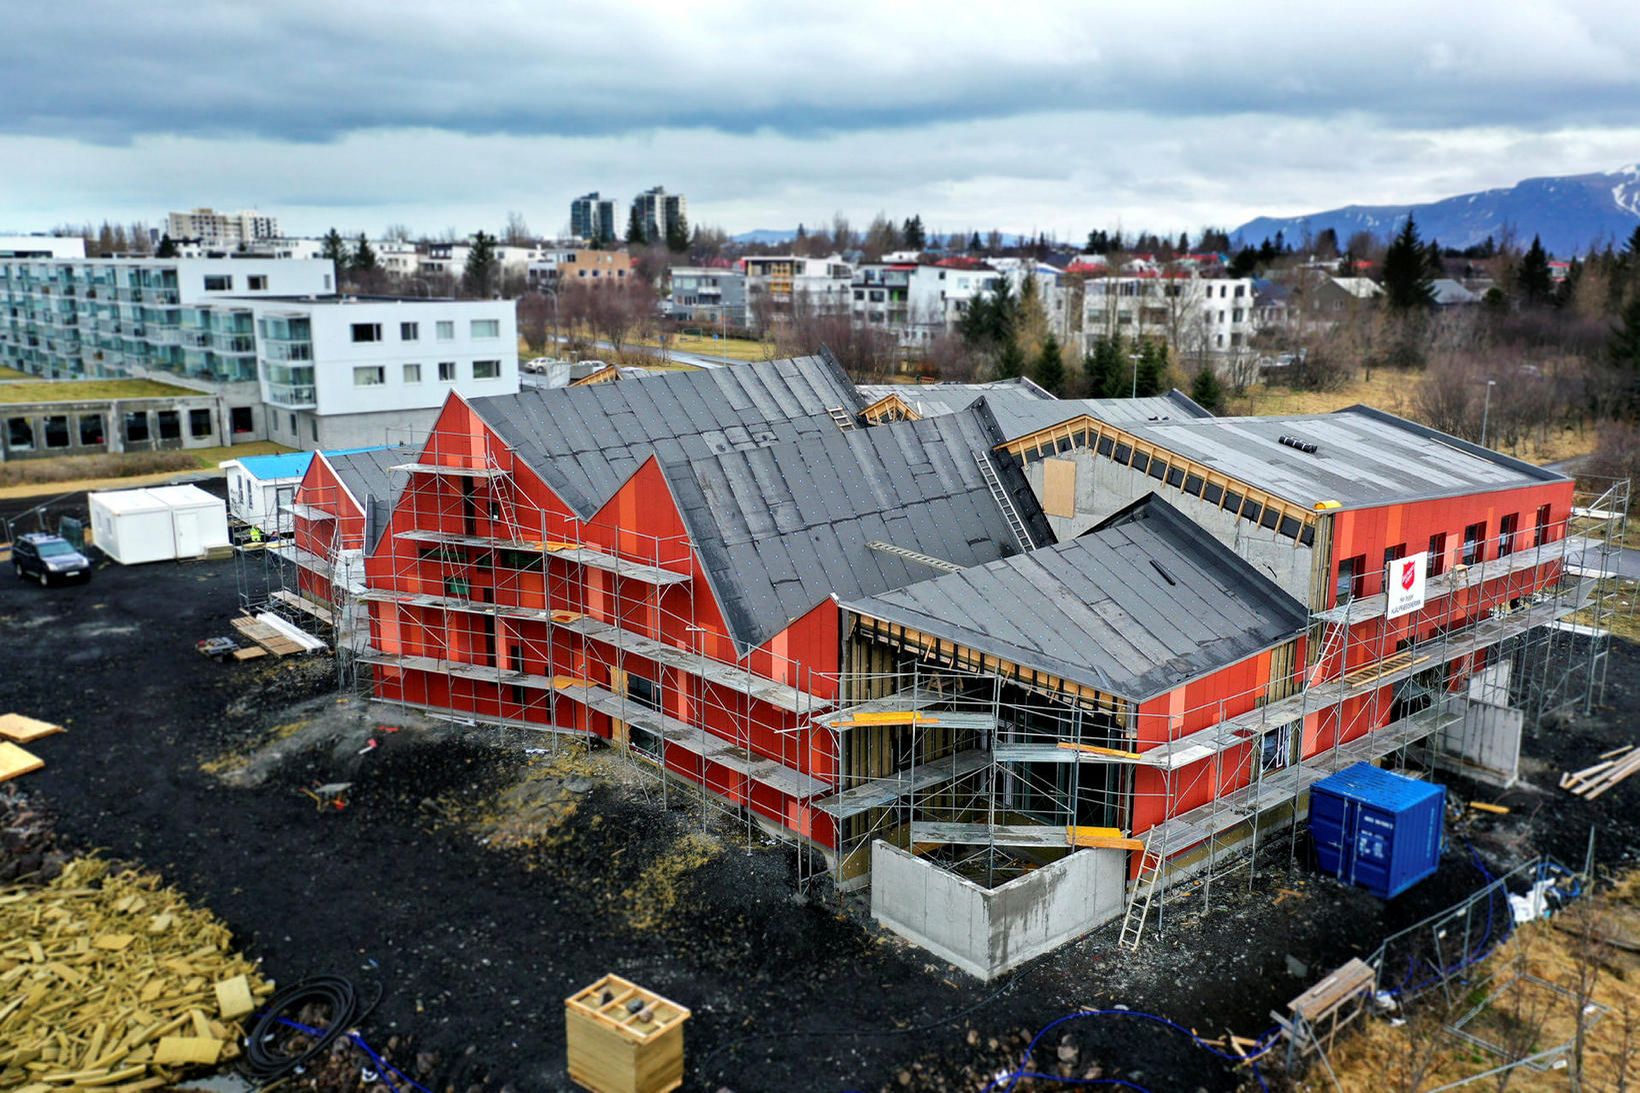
{"type": "Point", "coordinates": [44, 557]}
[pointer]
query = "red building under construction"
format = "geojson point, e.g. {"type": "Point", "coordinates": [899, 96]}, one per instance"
{"type": "Point", "coordinates": [1100, 644]}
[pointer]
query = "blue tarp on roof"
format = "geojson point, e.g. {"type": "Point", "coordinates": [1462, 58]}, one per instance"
{"type": "Point", "coordinates": [289, 464]}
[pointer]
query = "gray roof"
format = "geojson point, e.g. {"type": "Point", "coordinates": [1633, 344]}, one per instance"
{"type": "Point", "coordinates": [1135, 607]}
{"type": "Point", "coordinates": [585, 442]}
{"type": "Point", "coordinates": [1020, 417]}
{"type": "Point", "coordinates": [367, 476]}
{"type": "Point", "coordinates": [1445, 292]}
{"type": "Point", "coordinates": [781, 528]}
{"type": "Point", "coordinates": [1364, 457]}
{"type": "Point", "coordinates": [933, 399]}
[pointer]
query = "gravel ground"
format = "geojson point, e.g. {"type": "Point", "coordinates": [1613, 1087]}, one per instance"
{"type": "Point", "coordinates": [475, 946]}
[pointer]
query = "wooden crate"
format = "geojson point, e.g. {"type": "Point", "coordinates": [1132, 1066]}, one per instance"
{"type": "Point", "coordinates": [613, 1050]}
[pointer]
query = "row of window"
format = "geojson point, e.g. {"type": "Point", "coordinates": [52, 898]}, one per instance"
{"type": "Point", "coordinates": [223, 282]}
{"type": "Point", "coordinates": [56, 431]}
{"type": "Point", "coordinates": [444, 330]}
{"type": "Point", "coordinates": [375, 375]}
{"type": "Point", "coordinates": [1353, 573]}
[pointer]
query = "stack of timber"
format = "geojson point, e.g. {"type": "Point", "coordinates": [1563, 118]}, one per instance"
{"type": "Point", "coordinates": [1614, 766]}
{"type": "Point", "coordinates": [266, 637]}
{"type": "Point", "coordinates": [109, 981]}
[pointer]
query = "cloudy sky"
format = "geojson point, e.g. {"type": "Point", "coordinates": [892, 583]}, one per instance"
{"type": "Point", "coordinates": [1021, 116]}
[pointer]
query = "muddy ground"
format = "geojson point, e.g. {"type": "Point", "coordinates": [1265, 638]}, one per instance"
{"type": "Point", "coordinates": [476, 928]}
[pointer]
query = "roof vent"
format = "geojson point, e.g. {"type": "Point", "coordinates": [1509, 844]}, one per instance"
{"type": "Point", "coordinates": [1305, 446]}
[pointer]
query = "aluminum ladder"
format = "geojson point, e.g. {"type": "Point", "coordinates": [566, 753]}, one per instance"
{"type": "Point", "coordinates": [1144, 890]}
{"type": "Point", "coordinates": [988, 471]}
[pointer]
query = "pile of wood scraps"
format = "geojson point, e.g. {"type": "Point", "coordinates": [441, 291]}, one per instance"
{"type": "Point", "coordinates": [110, 981]}
{"type": "Point", "coordinates": [16, 730]}
{"type": "Point", "coordinates": [1614, 766]}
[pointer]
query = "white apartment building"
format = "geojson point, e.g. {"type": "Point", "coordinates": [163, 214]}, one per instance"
{"type": "Point", "coordinates": [1192, 314]}
{"type": "Point", "coordinates": [775, 282]}
{"type": "Point", "coordinates": [919, 301]}
{"type": "Point", "coordinates": [354, 371]}
{"type": "Point", "coordinates": [219, 229]}
{"type": "Point", "coordinates": [398, 257]}
{"type": "Point", "coordinates": [42, 246]}
{"type": "Point", "coordinates": [707, 295]}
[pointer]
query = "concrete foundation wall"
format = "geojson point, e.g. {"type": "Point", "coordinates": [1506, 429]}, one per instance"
{"type": "Point", "coordinates": [1103, 487]}
{"type": "Point", "coordinates": [329, 432]}
{"type": "Point", "coordinates": [1486, 745]}
{"type": "Point", "coordinates": [989, 931]}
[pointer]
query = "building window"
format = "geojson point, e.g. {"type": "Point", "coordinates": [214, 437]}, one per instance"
{"type": "Point", "coordinates": [218, 282]}
{"type": "Point", "coordinates": [313, 429]}
{"type": "Point", "coordinates": [257, 282]}
{"type": "Point", "coordinates": [1352, 579]}
{"type": "Point", "coordinates": [1474, 543]}
{"type": "Point", "coordinates": [367, 332]}
{"type": "Point", "coordinates": [170, 425]}
{"type": "Point", "coordinates": [91, 430]}
{"type": "Point", "coordinates": [643, 691]}
{"type": "Point", "coordinates": [447, 371]}
{"type": "Point", "coordinates": [19, 434]}
{"type": "Point", "coordinates": [446, 330]}
{"type": "Point", "coordinates": [1437, 554]}
{"type": "Point", "coordinates": [136, 426]}
{"type": "Point", "coordinates": [293, 425]}
{"type": "Point", "coordinates": [1542, 524]}
{"type": "Point", "coordinates": [409, 332]}
{"type": "Point", "coordinates": [486, 328]}
{"type": "Point", "coordinates": [57, 431]}
{"type": "Point", "coordinates": [199, 424]}
{"type": "Point", "coordinates": [373, 375]}
{"type": "Point", "coordinates": [486, 370]}
{"type": "Point", "coordinates": [241, 420]}
{"type": "Point", "coordinates": [412, 373]}
{"type": "Point", "coordinates": [1391, 555]}
{"type": "Point", "coordinates": [1506, 534]}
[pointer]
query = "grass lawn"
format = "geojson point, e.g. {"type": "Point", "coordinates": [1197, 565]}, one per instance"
{"type": "Point", "coordinates": [210, 457]}
{"type": "Point", "coordinates": [1397, 392]}
{"type": "Point", "coordinates": [12, 374]}
{"type": "Point", "coordinates": [739, 349]}
{"type": "Point", "coordinates": [73, 390]}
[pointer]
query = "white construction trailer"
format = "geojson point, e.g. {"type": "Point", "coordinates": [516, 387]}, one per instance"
{"type": "Point", "coordinates": [157, 524]}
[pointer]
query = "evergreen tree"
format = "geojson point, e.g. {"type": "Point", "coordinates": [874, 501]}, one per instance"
{"type": "Point", "coordinates": [1243, 263]}
{"type": "Point", "coordinates": [1010, 360]}
{"type": "Point", "coordinates": [167, 247]}
{"type": "Point", "coordinates": [802, 232]}
{"type": "Point", "coordinates": [1102, 368]}
{"type": "Point", "coordinates": [974, 326]}
{"type": "Point", "coordinates": [335, 249]}
{"type": "Point", "coordinates": [974, 243]}
{"type": "Point", "coordinates": [635, 235]}
{"type": "Point", "coordinates": [677, 234]}
{"type": "Point", "coordinates": [913, 233]}
{"type": "Point", "coordinates": [1533, 281]}
{"type": "Point", "coordinates": [364, 256]}
{"type": "Point", "coordinates": [1326, 243]}
{"type": "Point", "coordinates": [1152, 373]}
{"type": "Point", "coordinates": [478, 279]}
{"type": "Point", "coordinates": [1184, 243]}
{"type": "Point", "coordinates": [1050, 366]}
{"type": "Point", "coordinates": [1406, 271]}
{"type": "Point", "coordinates": [1207, 390]}
{"type": "Point", "coordinates": [1623, 350]}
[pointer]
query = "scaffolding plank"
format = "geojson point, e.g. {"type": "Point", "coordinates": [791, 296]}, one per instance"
{"type": "Point", "coordinates": [304, 558]}
{"type": "Point", "coordinates": [455, 603]}
{"type": "Point", "coordinates": [483, 673]}
{"type": "Point", "coordinates": [303, 604]}
{"type": "Point", "coordinates": [450, 471]}
{"type": "Point", "coordinates": [595, 559]}
{"type": "Point", "coordinates": [988, 834]}
{"type": "Point", "coordinates": [697, 741]}
{"type": "Point", "coordinates": [879, 792]}
{"type": "Point", "coordinates": [787, 698]}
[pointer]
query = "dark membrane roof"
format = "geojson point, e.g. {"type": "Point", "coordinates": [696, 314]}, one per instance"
{"type": "Point", "coordinates": [1140, 604]}
{"type": "Point", "coordinates": [781, 528]}
{"type": "Point", "coordinates": [1363, 457]}
{"type": "Point", "coordinates": [368, 477]}
{"type": "Point", "coordinates": [585, 442]}
{"type": "Point", "coordinates": [1020, 416]}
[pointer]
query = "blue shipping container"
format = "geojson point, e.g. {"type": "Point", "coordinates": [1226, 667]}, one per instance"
{"type": "Point", "coordinates": [1379, 830]}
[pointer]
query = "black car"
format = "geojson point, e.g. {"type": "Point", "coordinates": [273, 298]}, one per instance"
{"type": "Point", "coordinates": [45, 557]}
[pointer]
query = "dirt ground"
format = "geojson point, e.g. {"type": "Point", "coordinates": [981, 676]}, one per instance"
{"type": "Point", "coordinates": [478, 883]}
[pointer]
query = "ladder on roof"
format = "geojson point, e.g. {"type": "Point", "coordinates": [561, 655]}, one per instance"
{"type": "Point", "coordinates": [988, 471]}
{"type": "Point", "coordinates": [1144, 890]}
{"type": "Point", "coordinates": [844, 419]}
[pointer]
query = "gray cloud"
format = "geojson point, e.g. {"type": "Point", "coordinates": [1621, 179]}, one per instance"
{"type": "Point", "coordinates": [1037, 115]}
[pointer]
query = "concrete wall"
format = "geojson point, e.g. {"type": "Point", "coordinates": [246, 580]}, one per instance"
{"type": "Point", "coordinates": [1486, 744]}
{"type": "Point", "coordinates": [1103, 487]}
{"type": "Point", "coordinates": [314, 432]}
{"type": "Point", "coordinates": [989, 931]}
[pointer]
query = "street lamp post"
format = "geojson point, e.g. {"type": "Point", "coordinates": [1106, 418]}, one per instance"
{"type": "Point", "coordinates": [1486, 409]}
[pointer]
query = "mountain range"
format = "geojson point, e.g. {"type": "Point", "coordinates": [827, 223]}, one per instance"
{"type": "Point", "coordinates": [1571, 213]}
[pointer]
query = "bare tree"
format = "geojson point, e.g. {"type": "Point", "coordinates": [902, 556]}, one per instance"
{"type": "Point", "coordinates": [869, 354]}
{"type": "Point", "coordinates": [397, 233]}
{"type": "Point", "coordinates": [517, 231]}
{"type": "Point", "coordinates": [842, 235]}
{"type": "Point", "coordinates": [534, 315]}
{"type": "Point", "coordinates": [616, 313]}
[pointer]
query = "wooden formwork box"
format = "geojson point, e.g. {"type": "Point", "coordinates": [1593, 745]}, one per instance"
{"type": "Point", "coordinates": [612, 1050]}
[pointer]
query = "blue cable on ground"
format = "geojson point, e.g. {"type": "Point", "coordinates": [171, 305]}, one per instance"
{"type": "Point", "coordinates": [383, 1067]}
{"type": "Point", "coordinates": [1263, 1045]}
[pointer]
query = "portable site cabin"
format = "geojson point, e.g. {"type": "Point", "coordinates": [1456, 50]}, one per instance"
{"type": "Point", "coordinates": [157, 524]}
{"type": "Point", "coordinates": [262, 487]}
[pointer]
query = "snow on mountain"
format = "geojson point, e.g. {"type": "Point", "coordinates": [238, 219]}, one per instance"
{"type": "Point", "coordinates": [1572, 213]}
